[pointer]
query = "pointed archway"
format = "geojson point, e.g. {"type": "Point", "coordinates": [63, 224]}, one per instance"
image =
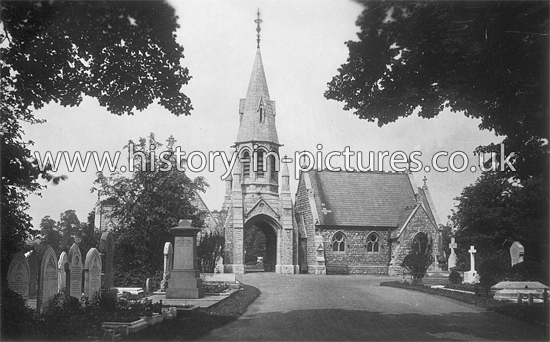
{"type": "Point", "coordinates": [268, 229]}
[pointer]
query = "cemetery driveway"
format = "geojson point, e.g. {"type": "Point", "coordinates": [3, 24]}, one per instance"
{"type": "Point", "coordinates": [309, 307]}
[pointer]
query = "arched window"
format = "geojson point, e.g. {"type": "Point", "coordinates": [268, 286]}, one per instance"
{"type": "Point", "coordinates": [273, 170]}
{"type": "Point", "coordinates": [420, 243]}
{"type": "Point", "coordinates": [246, 164]}
{"type": "Point", "coordinates": [373, 243]}
{"type": "Point", "coordinates": [261, 172]}
{"type": "Point", "coordinates": [339, 242]}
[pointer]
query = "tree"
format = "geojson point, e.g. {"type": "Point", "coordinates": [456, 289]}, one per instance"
{"type": "Point", "coordinates": [124, 54]}
{"type": "Point", "coordinates": [210, 247]}
{"type": "Point", "coordinates": [146, 205]}
{"type": "Point", "coordinates": [50, 234]}
{"type": "Point", "coordinates": [487, 59]}
{"type": "Point", "coordinates": [62, 234]}
{"type": "Point", "coordinates": [494, 212]}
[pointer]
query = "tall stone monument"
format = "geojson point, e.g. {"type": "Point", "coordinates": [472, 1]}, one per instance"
{"type": "Point", "coordinates": [185, 281]}
{"type": "Point", "coordinates": [47, 279]}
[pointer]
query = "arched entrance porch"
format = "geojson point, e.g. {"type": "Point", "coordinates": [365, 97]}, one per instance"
{"type": "Point", "coordinates": [260, 240]}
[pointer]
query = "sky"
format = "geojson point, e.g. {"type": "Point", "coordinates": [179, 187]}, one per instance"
{"type": "Point", "coordinates": [302, 46]}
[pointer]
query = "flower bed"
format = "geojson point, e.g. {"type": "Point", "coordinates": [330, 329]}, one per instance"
{"type": "Point", "coordinates": [219, 289]}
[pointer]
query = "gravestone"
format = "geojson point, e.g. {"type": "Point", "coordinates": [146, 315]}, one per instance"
{"type": "Point", "coordinates": [168, 259]}
{"type": "Point", "coordinates": [516, 253]}
{"type": "Point", "coordinates": [219, 265]}
{"type": "Point", "coordinates": [61, 275]}
{"type": "Point", "coordinates": [451, 262]}
{"type": "Point", "coordinates": [185, 281]}
{"type": "Point", "coordinates": [471, 277]}
{"type": "Point", "coordinates": [34, 265]}
{"type": "Point", "coordinates": [19, 275]}
{"type": "Point", "coordinates": [92, 273]}
{"type": "Point", "coordinates": [47, 280]}
{"type": "Point", "coordinates": [107, 250]}
{"type": "Point", "coordinates": [74, 260]}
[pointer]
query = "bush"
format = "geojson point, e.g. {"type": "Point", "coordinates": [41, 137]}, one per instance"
{"type": "Point", "coordinates": [417, 264]}
{"type": "Point", "coordinates": [18, 320]}
{"type": "Point", "coordinates": [529, 270]}
{"type": "Point", "coordinates": [493, 268]}
{"type": "Point", "coordinates": [455, 277]}
{"type": "Point", "coordinates": [67, 318]}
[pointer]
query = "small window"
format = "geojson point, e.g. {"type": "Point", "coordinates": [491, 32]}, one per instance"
{"type": "Point", "coordinates": [260, 164]}
{"type": "Point", "coordinates": [373, 243]}
{"type": "Point", "coordinates": [246, 165]}
{"type": "Point", "coordinates": [339, 242]}
{"type": "Point", "coordinates": [273, 171]}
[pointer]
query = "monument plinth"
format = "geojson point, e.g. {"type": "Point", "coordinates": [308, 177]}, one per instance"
{"type": "Point", "coordinates": [185, 281]}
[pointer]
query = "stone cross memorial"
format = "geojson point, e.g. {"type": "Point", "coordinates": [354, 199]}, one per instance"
{"type": "Point", "coordinates": [92, 273]}
{"type": "Point", "coordinates": [185, 281]}
{"type": "Point", "coordinates": [471, 276]}
{"type": "Point", "coordinates": [19, 275]}
{"type": "Point", "coordinates": [75, 272]}
{"type": "Point", "coordinates": [516, 253]}
{"type": "Point", "coordinates": [61, 276]}
{"type": "Point", "coordinates": [47, 279]}
{"type": "Point", "coordinates": [451, 263]}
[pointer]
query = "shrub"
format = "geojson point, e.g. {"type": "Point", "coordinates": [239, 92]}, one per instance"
{"type": "Point", "coordinates": [417, 264]}
{"type": "Point", "coordinates": [493, 268]}
{"type": "Point", "coordinates": [18, 320]}
{"type": "Point", "coordinates": [66, 318]}
{"type": "Point", "coordinates": [455, 277]}
{"type": "Point", "coordinates": [529, 270]}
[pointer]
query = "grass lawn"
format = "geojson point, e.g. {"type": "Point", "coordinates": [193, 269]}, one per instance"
{"type": "Point", "coordinates": [192, 326]}
{"type": "Point", "coordinates": [536, 314]}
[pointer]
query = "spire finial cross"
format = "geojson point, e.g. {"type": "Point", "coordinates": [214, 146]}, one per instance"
{"type": "Point", "coordinates": [258, 29]}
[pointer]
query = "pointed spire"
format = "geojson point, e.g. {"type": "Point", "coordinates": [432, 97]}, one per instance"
{"type": "Point", "coordinates": [257, 110]}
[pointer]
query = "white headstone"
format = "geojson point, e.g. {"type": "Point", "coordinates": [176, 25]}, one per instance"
{"type": "Point", "coordinates": [19, 275]}
{"type": "Point", "coordinates": [451, 262]}
{"type": "Point", "coordinates": [168, 259]}
{"type": "Point", "coordinates": [61, 276]}
{"type": "Point", "coordinates": [47, 283]}
{"type": "Point", "coordinates": [92, 268]}
{"type": "Point", "coordinates": [75, 270]}
{"type": "Point", "coordinates": [471, 277]}
{"type": "Point", "coordinates": [516, 253]}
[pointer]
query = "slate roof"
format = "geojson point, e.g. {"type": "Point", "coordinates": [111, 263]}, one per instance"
{"type": "Point", "coordinates": [367, 199]}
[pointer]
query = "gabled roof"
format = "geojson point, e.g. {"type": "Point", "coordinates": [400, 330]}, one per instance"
{"type": "Point", "coordinates": [367, 199]}
{"type": "Point", "coordinates": [253, 126]}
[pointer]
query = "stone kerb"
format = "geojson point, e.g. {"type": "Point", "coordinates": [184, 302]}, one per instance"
{"type": "Point", "coordinates": [92, 273]}
{"type": "Point", "coordinates": [19, 275]}
{"type": "Point", "coordinates": [75, 272]}
{"type": "Point", "coordinates": [47, 279]}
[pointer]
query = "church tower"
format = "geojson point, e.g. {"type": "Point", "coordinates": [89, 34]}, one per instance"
{"type": "Point", "coordinates": [253, 195]}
